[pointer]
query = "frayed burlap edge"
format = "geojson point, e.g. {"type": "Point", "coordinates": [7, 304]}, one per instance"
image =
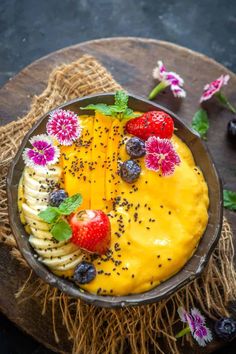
{"type": "Point", "coordinates": [140, 329]}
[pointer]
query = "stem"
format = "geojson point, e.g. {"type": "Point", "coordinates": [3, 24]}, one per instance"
{"type": "Point", "coordinates": [183, 332]}
{"type": "Point", "coordinates": [160, 87]}
{"type": "Point", "coordinates": [223, 99]}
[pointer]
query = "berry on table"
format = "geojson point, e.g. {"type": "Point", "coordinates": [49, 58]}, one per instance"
{"type": "Point", "coordinates": [57, 197]}
{"type": "Point", "coordinates": [135, 147]}
{"type": "Point", "coordinates": [231, 130]}
{"type": "Point", "coordinates": [130, 171]}
{"type": "Point", "coordinates": [225, 328]}
{"type": "Point", "coordinates": [84, 273]}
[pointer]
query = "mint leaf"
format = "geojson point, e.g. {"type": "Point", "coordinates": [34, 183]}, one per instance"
{"type": "Point", "coordinates": [70, 204]}
{"type": "Point", "coordinates": [121, 100]}
{"type": "Point", "coordinates": [61, 230]}
{"type": "Point", "coordinates": [229, 199]}
{"type": "Point", "coordinates": [118, 110]}
{"type": "Point", "coordinates": [49, 215]}
{"type": "Point", "coordinates": [200, 122]}
{"type": "Point", "coordinates": [101, 107]}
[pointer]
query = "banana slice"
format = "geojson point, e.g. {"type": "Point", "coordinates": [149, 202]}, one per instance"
{"type": "Point", "coordinates": [41, 234]}
{"type": "Point", "coordinates": [34, 193]}
{"type": "Point", "coordinates": [49, 173]}
{"type": "Point", "coordinates": [33, 223]}
{"type": "Point", "coordinates": [70, 265]}
{"type": "Point", "coordinates": [32, 183]}
{"type": "Point", "coordinates": [30, 213]}
{"type": "Point", "coordinates": [57, 252]}
{"type": "Point", "coordinates": [45, 244]}
{"type": "Point", "coordinates": [55, 262]}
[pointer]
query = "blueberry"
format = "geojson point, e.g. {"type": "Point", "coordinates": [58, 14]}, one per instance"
{"type": "Point", "coordinates": [225, 328]}
{"type": "Point", "coordinates": [231, 129]}
{"type": "Point", "coordinates": [57, 197]}
{"type": "Point", "coordinates": [130, 171]}
{"type": "Point", "coordinates": [84, 273]}
{"type": "Point", "coordinates": [135, 147]}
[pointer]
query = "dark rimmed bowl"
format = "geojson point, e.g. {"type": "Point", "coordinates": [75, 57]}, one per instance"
{"type": "Point", "coordinates": [194, 266]}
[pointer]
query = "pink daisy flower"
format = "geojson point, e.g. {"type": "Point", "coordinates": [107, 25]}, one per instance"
{"type": "Point", "coordinates": [161, 155]}
{"type": "Point", "coordinates": [42, 153]}
{"type": "Point", "coordinates": [214, 89]}
{"type": "Point", "coordinates": [196, 326]}
{"type": "Point", "coordinates": [64, 126]}
{"type": "Point", "coordinates": [167, 78]}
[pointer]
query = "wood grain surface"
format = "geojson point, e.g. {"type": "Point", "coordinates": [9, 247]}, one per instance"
{"type": "Point", "coordinates": [130, 60]}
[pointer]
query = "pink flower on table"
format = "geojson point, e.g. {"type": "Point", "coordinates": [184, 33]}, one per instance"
{"type": "Point", "coordinates": [196, 326]}
{"type": "Point", "coordinates": [167, 78]}
{"type": "Point", "coordinates": [161, 155]}
{"type": "Point", "coordinates": [42, 153]}
{"type": "Point", "coordinates": [64, 126]}
{"type": "Point", "coordinates": [214, 87]}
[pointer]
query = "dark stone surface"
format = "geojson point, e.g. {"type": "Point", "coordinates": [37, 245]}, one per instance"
{"type": "Point", "coordinates": [30, 29]}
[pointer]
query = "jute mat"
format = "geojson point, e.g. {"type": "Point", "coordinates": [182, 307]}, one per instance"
{"type": "Point", "coordinates": [143, 329]}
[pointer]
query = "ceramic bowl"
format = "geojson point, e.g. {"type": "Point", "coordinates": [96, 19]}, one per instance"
{"type": "Point", "coordinates": [193, 267]}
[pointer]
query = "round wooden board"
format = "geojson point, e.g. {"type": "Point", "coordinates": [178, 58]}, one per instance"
{"type": "Point", "coordinates": [130, 60]}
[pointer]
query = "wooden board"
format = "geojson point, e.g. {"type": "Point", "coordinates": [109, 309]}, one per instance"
{"type": "Point", "coordinates": [131, 61]}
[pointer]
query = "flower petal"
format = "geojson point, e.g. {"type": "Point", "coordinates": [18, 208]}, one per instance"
{"type": "Point", "coordinates": [197, 316]}
{"type": "Point", "coordinates": [202, 335]}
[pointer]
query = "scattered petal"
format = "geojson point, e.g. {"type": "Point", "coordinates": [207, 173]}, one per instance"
{"type": "Point", "coordinates": [64, 126]}
{"type": "Point", "coordinates": [42, 153]}
{"type": "Point", "coordinates": [214, 87]}
{"type": "Point", "coordinates": [161, 155]}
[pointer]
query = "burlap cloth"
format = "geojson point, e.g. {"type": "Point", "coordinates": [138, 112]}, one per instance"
{"type": "Point", "coordinates": [142, 329]}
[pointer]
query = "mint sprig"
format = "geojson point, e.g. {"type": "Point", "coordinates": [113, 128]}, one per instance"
{"type": "Point", "coordinates": [200, 122]}
{"type": "Point", "coordinates": [118, 110]}
{"type": "Point", "coordinates": [60, 229]}
{"type": "Point", "coordinates": [229, 199]}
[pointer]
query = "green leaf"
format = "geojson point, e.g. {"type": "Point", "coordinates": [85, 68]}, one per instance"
{"type": "Point", "coordinates": [200, 122]}
{"type": "Point", "coordinates": [50, 215]}
{"type": "Point", "coordinates": [121, 100]}
{"type": "Point", "coordinates": [70, 204]}
{"type": "Point", "coordinates": [101, 107]}
{"type": "Point", "coordinates": [61, 230]}
{"type": "Point", "coordinates": [229, 199]}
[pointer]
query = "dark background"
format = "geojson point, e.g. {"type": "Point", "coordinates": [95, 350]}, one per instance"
{"type": "Point", "coordinates": [30, 29]}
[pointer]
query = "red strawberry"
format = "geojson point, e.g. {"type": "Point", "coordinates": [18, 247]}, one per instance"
{"type": "Point", "coordinates": [91, 230]}
{"type": "Point", "coordinates": [157, 123]}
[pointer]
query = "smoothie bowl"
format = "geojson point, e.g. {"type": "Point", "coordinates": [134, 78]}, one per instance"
{"type": "Point", "coordinates": [112, 199]}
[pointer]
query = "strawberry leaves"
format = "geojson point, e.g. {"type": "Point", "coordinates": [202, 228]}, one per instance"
{"type": "Point", "coordinates": [200, 123]}
{"type": "Point", "coordinates": [118, 110]}
{"type": "Point", "coordinates": [60, 229]}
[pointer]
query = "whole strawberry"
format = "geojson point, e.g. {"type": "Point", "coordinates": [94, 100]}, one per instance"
{"type": "Point", "coordinates": [91, 230]}
{"type": "Point", "coordinates": [157, 123]}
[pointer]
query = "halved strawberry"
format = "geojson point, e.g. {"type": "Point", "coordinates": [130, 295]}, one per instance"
{"type": "Point", "coordinates": [157, 123]}
{"type": "Point", "coordinates": [91, 230]}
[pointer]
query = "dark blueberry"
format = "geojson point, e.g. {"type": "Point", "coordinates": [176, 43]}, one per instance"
{"type": "Point", "coordinates": [231, 129]}
{"type": "Point", "coordinates": [130, 171]}
{"type": "Point", "coordinates": [57, 197]}
{"type": "Point", "coordinates": [135, 147]}
{"type": "Point", "coordinates": [84, 273]}
{"type": "Point", "coordinates": [225, 328]}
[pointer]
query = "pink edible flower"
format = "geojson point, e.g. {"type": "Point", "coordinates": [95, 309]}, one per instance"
{"type": "Point", "coordinates": [196, 326]}
{"type": "Point", "coordinates": [64, 126]}
{"type": "Point", "coordinates": [214, 87]}
{"type": "Point", "coordinates": [42, 153]}
{"type": "Point", "coordinates": [167, 78]}
{"type": "Point", "coordinates": [161, 155]}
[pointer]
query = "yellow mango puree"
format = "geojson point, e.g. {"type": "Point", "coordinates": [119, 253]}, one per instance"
{"type": "Point", "coordinates": [156, 222]}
